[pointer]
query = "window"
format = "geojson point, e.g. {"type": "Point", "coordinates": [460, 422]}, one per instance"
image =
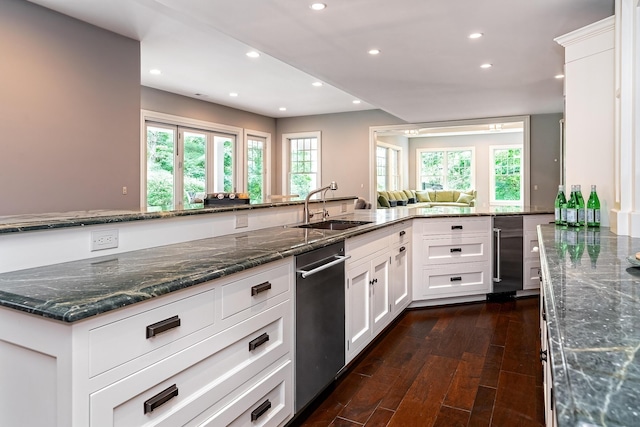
{"type": "Point", "coordinates": [451, 168]}
{"type": "Point", "coordinates": [507, 183]}
{"type": "Point", "coordinates": [388, 167]}
{"type": "Point", "coordinates": [302, 163]}
{"type": "Point", "coordinates": [256, 168]}
{"type": "Point", "coordinates": [184, 163]}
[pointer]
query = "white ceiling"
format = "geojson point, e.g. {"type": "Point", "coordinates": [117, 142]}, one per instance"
{"type": "Point", "coordinates": [428, 69]}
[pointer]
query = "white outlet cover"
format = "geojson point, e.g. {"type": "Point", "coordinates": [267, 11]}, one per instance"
{"type": "Point", "coordinates": [105, 239]}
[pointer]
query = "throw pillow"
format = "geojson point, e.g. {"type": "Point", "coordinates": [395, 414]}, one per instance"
{"type": "Point", "coordinates": [465, 198]}
{"type": "Point", "coordinates": [408, 193]}
{"type": "Point", "coordinates": [444, 196]}
{"type": "Point", "coordinates": [422, 196]}
{"type": "Point", "coordinates": [383, 201]}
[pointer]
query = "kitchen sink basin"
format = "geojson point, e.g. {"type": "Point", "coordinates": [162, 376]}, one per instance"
{"type": "Point", "coordinates": [334, 224]}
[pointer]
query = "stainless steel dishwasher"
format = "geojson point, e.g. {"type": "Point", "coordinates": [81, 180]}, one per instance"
{"type": "Point", "coordinates": [320, 317]}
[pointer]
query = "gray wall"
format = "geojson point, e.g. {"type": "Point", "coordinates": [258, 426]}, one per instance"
{"type": "Point", "coordinates": [69, 113]}
{"type": "Point", "coordinates": [345, 146]}
{"type": "Point", "coordinates": [545, 158]}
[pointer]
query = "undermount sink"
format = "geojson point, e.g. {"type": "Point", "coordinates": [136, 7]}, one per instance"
{"type": "Point", "coordinates": [334, 224]}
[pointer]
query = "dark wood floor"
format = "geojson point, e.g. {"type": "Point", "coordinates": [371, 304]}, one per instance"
{"type": "Point", "coordinates": [465, 365]}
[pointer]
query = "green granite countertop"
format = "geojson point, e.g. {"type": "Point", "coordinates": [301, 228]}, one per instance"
{"type": "Point", "coordinates": [76, 290]}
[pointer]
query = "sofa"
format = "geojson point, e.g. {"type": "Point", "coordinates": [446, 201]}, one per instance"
{"type": "Point", "coordinates": [426, 198]}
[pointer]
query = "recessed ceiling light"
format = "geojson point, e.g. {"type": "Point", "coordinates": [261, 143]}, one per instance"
{"type": "Point", "coordinates": [486, 65]}
{"type": "Point", "coordinates": [317, 84]}
{"type": "Point", "coordinates": [475, 35]}
{"type": "Point", "coordinates": [560, 76]}
{"type": "Point", "coordinates": [155, 72]}
{"type": "Point", "coordinates": [374, 51]}
{"type": "Point", "coordinates": [253, 54]}
{"type": "Point", "coordinates": [282, 108]}
{"type": "Point", "coordinates": [318, 6]}
{"type": "Point", "coordinates": [233, 94]}
{"type": "Point", "coordinates": [356, 101]}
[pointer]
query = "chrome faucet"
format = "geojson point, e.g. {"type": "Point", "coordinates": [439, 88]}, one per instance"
{"type": "Point", "coordinates": [307, 214]}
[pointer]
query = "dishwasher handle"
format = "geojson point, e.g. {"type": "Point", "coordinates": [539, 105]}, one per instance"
{"type": "Point", "coordinates": [338, 260]}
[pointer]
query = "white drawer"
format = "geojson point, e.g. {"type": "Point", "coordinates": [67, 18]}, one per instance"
{"type": "Point", "coordinates": [401, 234]}
{"type": "Point", "coordinates": [531, 275]}
{"type": "Point", "coordinates": [267, 403]}
{"type": "Point", "coordinates": [531, 249]}
{"type": "Point", "coordinates": [455, 280]}
{"type": "Point", "coordinates": [252, 292]}
{"type": "Point", "coordinates": [366, 245]}
{"type": "Point", "coordinates": [455, 250]}
{"type": "Point", "coordinates": [202, 375]}
{"type": "Point", "coordinates": [118, 342]}
{"type": "Point", "coordinates": [531, 222]}
{"type": "Point", "coordinates": [455, 226]}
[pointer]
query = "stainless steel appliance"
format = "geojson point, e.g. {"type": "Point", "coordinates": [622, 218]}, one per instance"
{"type": "Point", "coordinates": [320, 320]}
{"type": "Point", "coordinates": [507, 254]}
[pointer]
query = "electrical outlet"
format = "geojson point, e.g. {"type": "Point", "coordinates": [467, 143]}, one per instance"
{"type": "Point", "coordinates": [106, 239]}
{"type": "Point", "coordinates": [242, 221]}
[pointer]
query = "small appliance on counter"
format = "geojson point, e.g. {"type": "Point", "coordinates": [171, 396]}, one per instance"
{"type": "Point", "coordinates": [226, 199]}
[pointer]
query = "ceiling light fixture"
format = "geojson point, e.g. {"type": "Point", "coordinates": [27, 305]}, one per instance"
{"type": "Point", "coordinates": [233, 94]}
{"type": "Point", "coordinates": [282, 108]}
{"type": "Point", "coordinates": [318, 6]}
{"type": "Point", "coordinates": [374, 51]}
{"type": "Point", "coordinates": [316, 84]}
{"type": "Point", "coordinates": [356, 101]}
{"type": "Point", "coordinates": [155, 72]}
{"type": "Point", "coordinates": [560, 76]}
{"type": "Point", "coordinates": [486, 65]}
{"type": "Point", "coordinates": [253, 54]}
{"type": "Point", "coordinates": [475, 35]}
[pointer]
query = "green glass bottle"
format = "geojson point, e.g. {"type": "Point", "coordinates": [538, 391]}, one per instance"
{"type": "Point", "coordinates": [582, 214]}
{"type": "Point", "coordinates": [572, 208]}
{"type": "Point", "coordinates": [560, 201]}
{"type": "Point", "coordinates": [593, 209]}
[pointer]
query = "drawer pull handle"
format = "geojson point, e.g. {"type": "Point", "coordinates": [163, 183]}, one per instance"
{"type": "Point", "coordinates": [456, 279]}
{"type": "Point", "coordinates": [543, 355]}
{"type": "Point", "coordinates": [402, 233]}
{"type": "Point", "coordinates": [162, 326]}
{"type": "Point", "coordinates": [253, 344]}
{"type": "Point", "coordinates": [257, 413]}
{"type": "Point", "coordinates": [255, 290]}
{"type": "Point", "coordinates": [456, 227]}
{"type": "Point", "coordinates": [455, 250]}
{"type": "Point", "coordinates": [160, 399]}
{"type": "Point", "coordinates": [402, 249]}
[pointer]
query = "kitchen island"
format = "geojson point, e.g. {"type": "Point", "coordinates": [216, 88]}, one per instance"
{"type": "Point", "coordinates": [592, 311]}
{"type": "Point", "coordinates": [78, 327]}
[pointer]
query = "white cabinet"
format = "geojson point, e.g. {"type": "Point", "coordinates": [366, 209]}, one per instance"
{"type": "Point", "coordinates": [545, 358]}
{"type": "Point", "coordinates": [219, 353]}
{"type": "Point", "coordinates": [531, 256]}
{"type": "Point", "coordinates": [400, 274]}
{"type": "Point", "coordinates": [451, 257]}
{"type": "Point", "coordinates": [368, 296]}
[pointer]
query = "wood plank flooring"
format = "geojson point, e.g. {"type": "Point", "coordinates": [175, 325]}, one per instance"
{"type": "Point", "coordinates": [464, 365]}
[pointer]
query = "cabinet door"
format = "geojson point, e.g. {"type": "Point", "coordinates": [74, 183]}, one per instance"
{"type": "Point", "coordinates": [399, 278]}
{"type": "Point", "coordinates": [380, 293]}
{"type": "Point", "coordinates": [358, 327]}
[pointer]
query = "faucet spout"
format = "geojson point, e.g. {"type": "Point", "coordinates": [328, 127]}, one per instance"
{"type": "Point", "coordinates": [307, 214]}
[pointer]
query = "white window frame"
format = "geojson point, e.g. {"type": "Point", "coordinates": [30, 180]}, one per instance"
{"type": "Point", "coordinates": [399, 172]}
{"type": "Point", "coordinates": [419, 152]}
{"type": "Point", "coordinates": [194, 124]}
{"type": "Point", "coordinates": [492, 176]}
{"type": "Point", "coordinates": [286, 149]}
{"type": "Point", "coordinates": [248, 134]}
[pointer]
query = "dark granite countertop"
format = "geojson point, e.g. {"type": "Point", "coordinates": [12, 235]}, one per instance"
{"type": "Point", "coordinates": [77, 290]}
{"type": "Point", "coordinates": [592, 301]}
